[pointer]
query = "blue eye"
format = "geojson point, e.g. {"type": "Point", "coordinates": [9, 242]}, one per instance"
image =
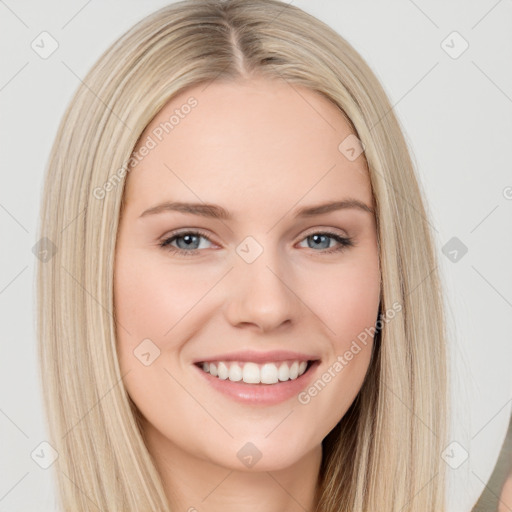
{"type": "Point", "coordinates": [188, 242]}
{"type": "Point", "coordinates": [320, 237]}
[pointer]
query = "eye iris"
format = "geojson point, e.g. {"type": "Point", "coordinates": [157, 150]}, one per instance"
{"type": "Point", "coordinates": [316, 238]}
{"type": "Point", "coordinates": [189, 239]}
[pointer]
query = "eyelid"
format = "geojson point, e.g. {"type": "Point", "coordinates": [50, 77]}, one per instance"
{"type": "Point", "coordinates": [313, 230]}
{"type": "Point", "coordinates": [344, 240]}
{"type": "Point", "coordinates": [335, 231]}
{"type": "Point", "coordinates": [185, 231]}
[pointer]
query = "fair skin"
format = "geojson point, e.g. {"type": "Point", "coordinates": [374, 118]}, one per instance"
{"type": "Point", "coordinates": [505, 503]}
{"type": "Point", "coordinates": [260, 150]}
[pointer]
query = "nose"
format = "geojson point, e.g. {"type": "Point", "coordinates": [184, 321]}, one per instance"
{"type": "Point", "coordinates": [261, 296]}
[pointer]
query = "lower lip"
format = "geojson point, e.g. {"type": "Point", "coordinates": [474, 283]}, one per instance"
{"type": "Point", "coordinates": [261, 394]}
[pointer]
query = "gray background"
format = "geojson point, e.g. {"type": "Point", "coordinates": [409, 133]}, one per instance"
{"type": "Point", "coordinates": [456, 111]}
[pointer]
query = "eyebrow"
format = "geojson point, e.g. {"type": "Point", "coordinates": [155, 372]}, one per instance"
{"type": "Point", "coordinates": [218, 212]}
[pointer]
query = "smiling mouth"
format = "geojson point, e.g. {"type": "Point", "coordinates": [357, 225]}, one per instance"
{"type": "Point", "coordinates": [246, 372]}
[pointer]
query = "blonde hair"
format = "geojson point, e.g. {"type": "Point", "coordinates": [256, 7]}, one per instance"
{"type": "Point", "coordinates": [385, 453]}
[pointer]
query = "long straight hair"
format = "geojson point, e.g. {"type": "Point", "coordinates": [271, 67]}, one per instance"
{"type": "Point", "coordinates": [385, 453]}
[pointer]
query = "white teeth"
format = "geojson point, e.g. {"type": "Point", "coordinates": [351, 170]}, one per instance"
{"type": "Point", "coordinates": [268, 374]}
{"type": "Point", "coordinates": [283, 372]}
{"type": "Point", "coordinates": [235, 372]}
{"type": "Point", "coordinates": [294, 370]}
{"type": "Point", "coordinates": [252, 373]}
{"type": "Point", "coordinates": [222, 371]}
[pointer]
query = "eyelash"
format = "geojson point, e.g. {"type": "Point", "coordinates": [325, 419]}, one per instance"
{"type": "Point", "coordinates": [344, 242]}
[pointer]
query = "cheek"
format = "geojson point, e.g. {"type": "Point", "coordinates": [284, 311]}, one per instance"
{"type": "Point", "coordinates": [153, 304]}
{"type": "Point", "coordinates": [152, 298]}
{"type": "Point", "coordinates": [158, 308]}
{"type": "Point", "coordinates": [348, 301]}
{"type": "Point", "coordinates": [348, 306]}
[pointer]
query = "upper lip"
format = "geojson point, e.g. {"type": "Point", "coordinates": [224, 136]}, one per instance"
{"type": "Point", "coordinates": [259, 357]}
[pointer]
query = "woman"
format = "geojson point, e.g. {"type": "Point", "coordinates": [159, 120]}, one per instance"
{"type": "Point", "coordinates": [253, 370]}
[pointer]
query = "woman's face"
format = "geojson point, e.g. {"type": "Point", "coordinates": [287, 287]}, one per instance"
{"type": "Point", "coordinates": [264, 284]}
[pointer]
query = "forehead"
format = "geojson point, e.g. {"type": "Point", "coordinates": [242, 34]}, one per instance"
{"type": "Point", "coordinates": [243, 140]}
